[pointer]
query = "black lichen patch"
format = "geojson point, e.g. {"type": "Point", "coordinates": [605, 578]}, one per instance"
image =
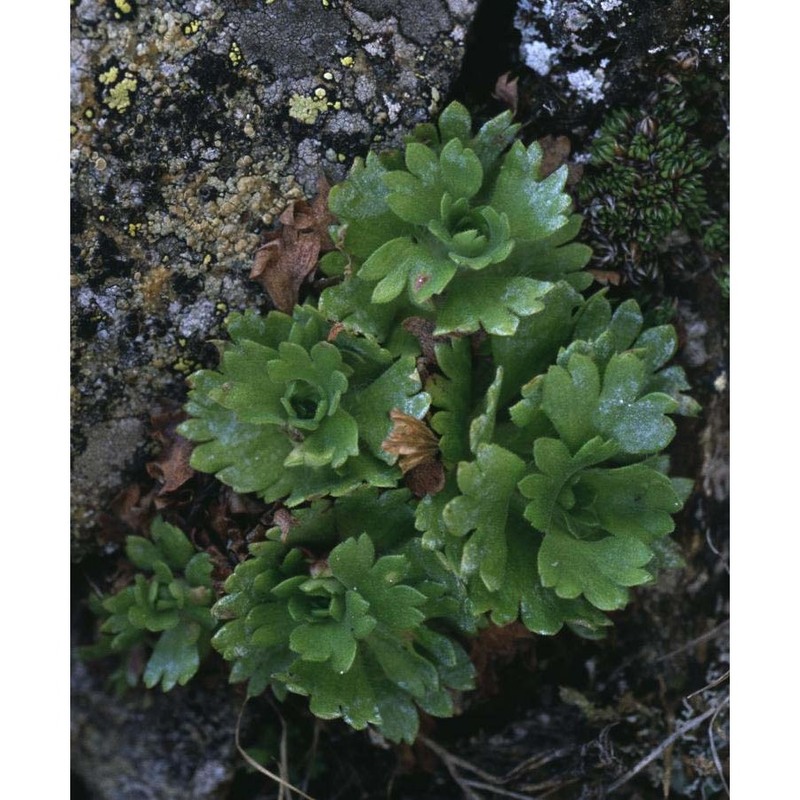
{"type": "Point", "coordinates": [144, 184]}
{"type": "Point", "coordinates": [215, 75]}
{"type": "Point", "coordinates": [207, 193]}
{"type": "Point", "coordinates": [77, 216]}
{"type": "Point", "coordinates": [86, 327]}
{"type": "Point", "coordinates": [188, 287]}
{"type": "Point", "coordinates": [99, 259]}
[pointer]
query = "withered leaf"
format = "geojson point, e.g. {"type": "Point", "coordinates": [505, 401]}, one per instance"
{"type": "Point", "coordinates": [555, 152]}
{"type": "Point", "coordinates": [171, 469]}
{"type": "Point", "coordinates": [494, 648]}
{"type": "Point", "coordinates": [290, 254]}
{"type": "Point", "coordinates": [284, 520]}
{"type": "Point", "coordinates": [606, 277]}
{"type": "Point", "coordinates": [410, 439]}
{"type": "Point", "coordinates": [130, 510]}
{"type": "Point", "coordinates": [506, 90]}
{"type": "Point", "coordinates": [422, 329]}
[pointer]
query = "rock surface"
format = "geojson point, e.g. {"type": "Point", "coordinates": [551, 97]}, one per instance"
{"type": "Point", "coordinates": [194, 123]}
{"type": "Point", "coordinates": [154, 746]}
{"type": "Point", "coordinates": [585, 56]}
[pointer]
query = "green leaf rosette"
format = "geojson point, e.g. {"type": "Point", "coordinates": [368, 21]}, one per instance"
{"type": "Point", "coordinates": [166, 617]}
{"type": "Point", "coordinates": [462, 229]}
{"type": "Point", "coordinates": [351, 632]}
{"type": "Point", "coordinates": [291, 414]}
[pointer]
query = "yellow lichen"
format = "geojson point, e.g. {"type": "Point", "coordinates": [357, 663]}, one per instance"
{"type": "Point", "coordinates": [306, 109]}
{"type": "Point", "coordinates": [235, 54]}
{"type": "Point", "coordinates": [182, 366]}
{"type": "Point", "coordinates": [119, 95]}
{"type": "Point", "coordinates": [109, 76]}
{"type": "Point", "coordinates": [347, 61]}
{"type": "Point", "coordinates": [190, 28]}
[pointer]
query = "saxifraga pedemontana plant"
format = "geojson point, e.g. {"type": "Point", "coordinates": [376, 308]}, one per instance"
{"type": "Point", "coordinates": [463, 435]}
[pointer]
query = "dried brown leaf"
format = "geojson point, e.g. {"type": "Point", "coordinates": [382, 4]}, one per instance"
{"type": "Point", "coordinates": [422, 329]}
{"type": "Point", "coordinates": [171, 469]}
{"type": "Point", "coordinates": [555, 153]}
{"type": "Point", "coordinates": [494, 648]}
{"type": "Point", "coordinates": [506, 90]}
{"type": "Point", "coordinates": [410, 439]}
{"type": "Point", "coordinates": [130, 510]}
{"type": "Point", "coordinates": [290, 254]}
{"type": "Point", "coordinates": [606, 277]}
{"type": "Point", "coordinates": [284, 520]}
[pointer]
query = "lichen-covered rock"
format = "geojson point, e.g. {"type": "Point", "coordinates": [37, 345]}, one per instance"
{"type": "Point", "coordinates": [591, 55]}
{"type": "Point", "coordinates": [194, 123]}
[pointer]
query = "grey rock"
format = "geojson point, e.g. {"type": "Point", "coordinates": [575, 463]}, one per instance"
{"type": "Point", "coordinates": [194, 123]}
{"type": "Point", "coordinates": [152, 745]}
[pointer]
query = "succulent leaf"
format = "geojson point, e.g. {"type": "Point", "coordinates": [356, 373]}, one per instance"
{"type": "Point", "coordinates": [486, 486]}
{"type": "Point", "coordinates": [600, 570]}
{"type": "Point", "coordinates": [451, 392]}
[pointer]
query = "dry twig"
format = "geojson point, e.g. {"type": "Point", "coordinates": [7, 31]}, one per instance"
{"type": "Point", "coordinates": [703, 637]}
{"type": "Point", "coordinates": [494, 783]}
{"type": "Point", "coordinates": [658, 751]}
{"type": "Point", "coordinates": [714, 753]}
{"type": "Point", "coordinates": [255, 765]}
